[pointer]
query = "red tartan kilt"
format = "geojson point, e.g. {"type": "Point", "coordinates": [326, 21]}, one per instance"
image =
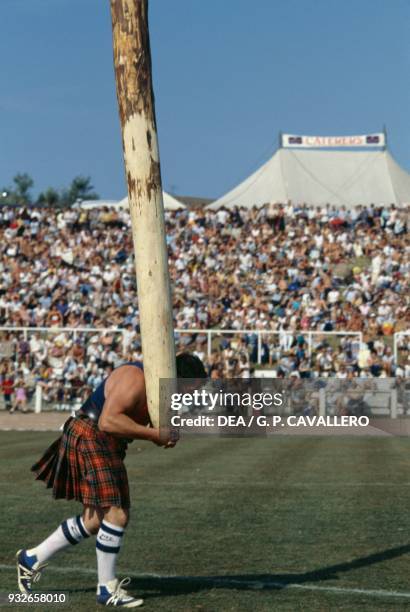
{"type": "Point", "coordinates": [86, 464]}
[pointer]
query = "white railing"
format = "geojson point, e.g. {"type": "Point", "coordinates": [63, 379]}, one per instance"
{"type": "Point", "coordinates": [396, 340]}
{"type": "Point", "coordinates": [59, 330]}
{"type": "Point", "coordinates": [262, 332]}
{"type": "Point", "coordinates": [210, 333]}
{"type": "Point", "coordinates": [378, 395]}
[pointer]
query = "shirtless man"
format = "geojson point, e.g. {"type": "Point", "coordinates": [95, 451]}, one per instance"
{"type": "Point", "coordinates": [86, 464]}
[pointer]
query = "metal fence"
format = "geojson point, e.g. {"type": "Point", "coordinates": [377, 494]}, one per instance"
{"type": "Point", "coordinates": [399, 340]}
{"type": "Point", "coordinates": [211, 341]}
{"type": "Point", "coordinates": [261, 334]}
{"type": "Point", "coordinates": [211, 334]}
{"type": "Point", "coordinates": [75, 331]}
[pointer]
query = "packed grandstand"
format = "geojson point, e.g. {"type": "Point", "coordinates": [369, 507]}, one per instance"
{"type": "Point", "coordinates": [329, 284]}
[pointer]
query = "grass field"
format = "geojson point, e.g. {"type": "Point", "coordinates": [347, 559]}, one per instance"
{"type": "Point", "coordinates": [219, 524]}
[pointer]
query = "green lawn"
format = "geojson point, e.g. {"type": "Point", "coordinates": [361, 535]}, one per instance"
{"type": "Point", "coordinates": [220, 524]}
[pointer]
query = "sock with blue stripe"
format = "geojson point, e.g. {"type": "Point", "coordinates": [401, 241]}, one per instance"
{"type": "Point", "coordinates": [108, 546]}
{"type": "Point", "coordinates": [70, 532]}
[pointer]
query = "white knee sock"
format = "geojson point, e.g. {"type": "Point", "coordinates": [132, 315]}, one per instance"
{"type": "Point", "coordinates": [70, 532]}
{"type": "Point", "coordinates": [108, 546]}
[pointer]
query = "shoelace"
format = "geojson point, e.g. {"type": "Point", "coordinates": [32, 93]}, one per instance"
{"type": "Point", "coordinates": [119, 591]}
{"type": "Point", "coordinates": [32, 575]}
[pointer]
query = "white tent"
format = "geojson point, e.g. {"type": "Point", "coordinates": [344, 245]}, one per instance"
{"type": "Point", "coordinates": [170, 203]}
{"type": "Point", "coordinates": [318, 177]}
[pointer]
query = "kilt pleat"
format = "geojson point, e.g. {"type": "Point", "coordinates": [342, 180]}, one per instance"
{"type": "Point", "coordinates": [46, 467]}
{"type": "Point", "coordinates": [86, 464]}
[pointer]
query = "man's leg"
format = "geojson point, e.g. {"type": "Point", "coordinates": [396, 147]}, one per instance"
{"type": "Point", "coordinates": [108, 544]}
{"type": "Point", "coordinates": [71, 531]}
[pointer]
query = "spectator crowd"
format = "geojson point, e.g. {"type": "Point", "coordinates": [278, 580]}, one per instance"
{"type": "Point", "coordinates": [284, 269]}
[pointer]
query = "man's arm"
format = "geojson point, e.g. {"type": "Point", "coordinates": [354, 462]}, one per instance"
{"type": "Point", "coordinates": [125, 389]}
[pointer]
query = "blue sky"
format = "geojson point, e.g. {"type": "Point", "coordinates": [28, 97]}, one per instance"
{"type": "Point", "coordinates": [228, 75]}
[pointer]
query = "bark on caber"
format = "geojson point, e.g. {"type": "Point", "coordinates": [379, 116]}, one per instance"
{"type": "Point", "coordinates": [133, 75]}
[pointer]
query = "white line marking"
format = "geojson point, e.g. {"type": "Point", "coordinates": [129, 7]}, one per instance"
{"type": "Point", "coordinates": [304, 485]}
{"type": "Point", "coordinates": [227, 581]}
{"type": "Point", "coordinates": [37, 430]}
{"type": "Point", "coordinates": [254, 484]}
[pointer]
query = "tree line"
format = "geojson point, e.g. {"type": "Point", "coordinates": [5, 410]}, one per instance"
{"type": "Point", "coordinates": [20, 193]}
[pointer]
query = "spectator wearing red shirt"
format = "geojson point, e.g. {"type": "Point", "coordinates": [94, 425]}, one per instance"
{"type": "Point", "coordinates": [7, 386]}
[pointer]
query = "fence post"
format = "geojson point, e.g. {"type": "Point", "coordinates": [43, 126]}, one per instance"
{"type": "Point", "coordinates": [38, 396]}
{"type": "Point", "coordinates": [209, 342]}
{"type": "Point", "coordinates": [393, 404]}
{"type": "Point", "coordinates": [259, 347]}
{"type": "Point", "coordinates": [322, 402]}
{"type": "Point", "coordinates": [395, 350]}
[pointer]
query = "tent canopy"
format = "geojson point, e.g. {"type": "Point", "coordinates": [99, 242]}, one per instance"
{"type": "Point", "coordinates": [320, 177]}
{"type": "Point", "coordinates": [170, 203]}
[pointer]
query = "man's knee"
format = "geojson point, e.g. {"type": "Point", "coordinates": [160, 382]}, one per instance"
{"type": "Point", "coordinates": [92, 517]}
{"type": "Point", "coordinates": [117, 516]}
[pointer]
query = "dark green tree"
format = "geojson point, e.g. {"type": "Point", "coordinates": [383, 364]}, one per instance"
{"type": "Point", "coordinates": [7, 196]}
{"type": "Point", "coordinates": [81, 188]}
{"type": "Point", "coordinates": [23, 184]}
{"type": "Point", "coordinates": [20, 192]}
{"type": "Point", "coordinates": [49, 197]}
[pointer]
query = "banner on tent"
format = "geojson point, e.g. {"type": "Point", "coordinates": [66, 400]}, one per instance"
{"type": "Point", "coordinates": [363, 140]}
